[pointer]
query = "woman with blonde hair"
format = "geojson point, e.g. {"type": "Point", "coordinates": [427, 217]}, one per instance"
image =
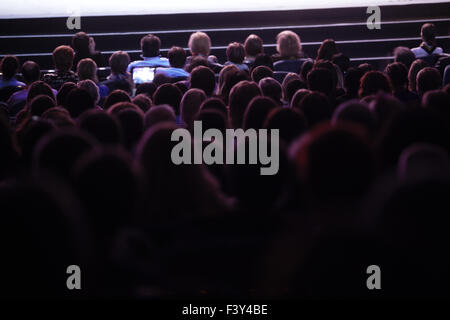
{"type": "Point", "coordinates": [200, 45]}
{"type": "Point", "coordinates": [289, 48]}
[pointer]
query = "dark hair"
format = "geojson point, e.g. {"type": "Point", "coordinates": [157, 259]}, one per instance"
{"type": "Point", "coordinates": [132, 124]}
{"type": "Point", "coordinates": [147, 88]}
{"type": "Point", "coordinates": [428, 33]}
{"type": "Point", "coordinates": [9, 66]}
{"type": "Point", "coordinates": [253, 45]}
{"type": "Point", "coordinates": [115, 97]}
{"type": "Point", "coordinates": [142, 101]}
{"type": "Point", "coordinates": [240, 96]}
{"type": "Point", "coordinates": [203, 78]}
{"type": "Point", "coordinates": [374, 81]}
{"type": "Point", "coordinates": [177, 57]}
{"type": "Point", "coordinates": [63, 58]}
{"type": "Point", "coordinates": [118, 62]}
{"type": "Point", "coordinates": [342, 61]}
{"type": "Point", "coordinates": [215, 104]}
{"type": "Point", "coordinates": [190, 105]}
{"type": "Point", "coordinates": [291, 88]}
{"type": "Point", "coordinates": [150, 45]}
{"type": "Point", "coordinates": [158, 114]}
{"type": "Point", "coordinates": [31, 72]}
{"type": "Point", "coordinates": [271, 88]}
{"type": "Point", "coordinates": [261, 72]}
{"type": "Point", "coordinates": [102, 126]}
{"type": "Point", "coordinates": [404, 55]}
{"type": "Point", "coordinates": [63, 92]}
{"type": "Point", "coordinates": [352, 81]}
{"type": "Point", "coordinates": [80, 42]}
{"type": "Point", "coordinates": [37, 88]}
{"type": "Point", "coordinates": [306, 68]}
{"type": "Point", "coordinates": [40, 104]}
{"type": "Point", "coordinates": [290, 122]}
{"type": "Point", "coordinates": [168, 93]}
{"type": "Point", "coordinates": [235, 52]}
{"type": "Point", "coordinates": [398, 74]}
{"type": "Point", "coordinates": [78, 101]}
{"type": "Point", "coordinates": [316, 107]}
{"type": "Point", "coordinates": [257, 111]}
{"type": "Point", "coordinates": [428, 79]}
{"type": "Point", "coordinates": [327, 50]}
{"type": "Point", "coordinates": [263, 59]}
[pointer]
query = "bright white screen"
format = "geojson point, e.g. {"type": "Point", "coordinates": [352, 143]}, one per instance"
{"type": "Point", "coordinates": [51, 8]}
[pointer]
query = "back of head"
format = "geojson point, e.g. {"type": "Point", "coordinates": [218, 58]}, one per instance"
{"type": "Point", "coordinates": [212, 119]}
{"type": "Point", "coordinates": [63, 92]}
{"type": "Point", "coordinates": [169, 94]}
{"type": "Point", "coordinates": [240, 96]}
{"type": "Point", "coordinates": [352, 80]}
{"type": "Point", "coordinates": [438, 101]}
{"type": "Point", "coordinates": [415, 68]}
{"type": "Point", "coordinates": [87, 69]}
{"type": "Point", "coordinates": [59, 117]}
{"type": "Point", "coordinates": [398, 74]}
{"type": "Point", "coordinates": [231, 78]}
{"type": "Point", "coordinates": [253, 46]}
{"type": "Point", "coordinates": [290, 123]}
{"type": "Point", "coordinates": [40, 104]}
{"type": "Point", "coordinates": [177, 57]}
{"type": "Point", "coordinates": [288, 45]}
{"type": "Point", "coordinates": [118, 62]}
{"type": "Point", "coordinates": [132, 123]}
{"type": "Point", "coordinates": [159, 114]}
{"type": "Point", "coordinates": [428, 33]}
{"type": "Point", "coordinates": [199, 44]}
{"type": "Point", "coordinates": [404, 55]}
{"type": "Point", "coordinates": [307, 66]}
{"type": "Point", "coordinates": [78, 101]}
{"type": "Point", "coordinates": [142, 101]}
{"type": "Point", "coordinates": [261, 72]}
{"type": "Point", "coordinates": [37, 88]}
{"type": "Point", "coordinates": [298, 96]}
{"type": "Point", "coordinates": [263, 59]}
{"type": "Point", "coordinates": [80, 43]}
{"type": "Point", "coordinates": [102, 126]}
{"type": "Point", "coordinates": [235, 52]}
{"type": "Point", "coordinates": [334, 163]}
{"type": "Point", "coordinates": [115, 97]}
{"type": "Point", "coordinates": [150, 45]}
{"type": "Point", "coordinates": [342, 61]}
{"type": "Point", "coordinates": [271, 88]}
{"type": "Point", "coordinates": [291, 88]}
{"type": "Point", "coordinates": [9, 67]}
{"type": "Point", "coordinates": [316, 107]}
{"type": "Point", "coordinates": [190, 105]}
{"type": "Point", "coordinates": [257, 111]}
{"type": "Point", "coordinates": [215, 104]}
{"type": "Point", "coordinates": [327, 50]}
{"type": "Point", "coordinates": [384, 107]}
{"type": "Point", "coordinates": [63, 58]}
{"type": "Point", "coordinates": [90, 87]}
{"type": "Point", "coordinates": [58, 151]}
{"type": "Point", "coordinates": [147, 88]}
{"type": "Point", "coordinates": [428, 79]}
{"type": "Point", "coordinates": [31, 72]}
{"type": "Point", "coordinates": [373, 82]}
{"type": "Point", "coordinates": [357, 113]}
{"type": "Point", "coordinates": [203, 78]}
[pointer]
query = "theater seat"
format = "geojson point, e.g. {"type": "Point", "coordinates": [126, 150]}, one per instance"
{"type": "Point", "coordinates": [279, 75]}
{"type": "Point", "coordinates": [289, 65]}
{"type": "Point", "coordinates": [7, 92]}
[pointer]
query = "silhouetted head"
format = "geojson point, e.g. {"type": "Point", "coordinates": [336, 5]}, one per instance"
{"type": "Point", "coordinates": [327, 50]}
{"type": "Point", "coordinates": [31, 72]}
{"type": "Point", "coordinates": [290, 123]}
{"type": "Point", "coordinates": [257, 111]}
{"type": "Point", "coordinates": [253, 46]}
{"type": "Point", "coordinates": [316, 108]}
{"type": "Point", "coordinates": [428, 79]}
{"type": "Point", "coordinates": [235, 52]}
{"type": "Point", "coordinates": [63, 58]}
{"type": "Point", "coordinates": [203, 78]}
{"type": "Point", "coordinates": [168, 94]}
{"type": "Point", "coordinates": [115, 97]}
{"type": "Point", "coordinates": [92, 88]}
{"type": "Point", "coordinates": [158, 114]}
{"type": "Point", "coordinates": [428, 33]}
{"type": "Point", "coordinates": [416, 66]}
{"type": "Point", "coordinates": [298, 96]}
{"type": "Point", "coordinates": [40, 104]}
{"type": "Point", "coordinates": [263, 59]}
{"type": "Point", "coordinates": [357, 113]}
{"type": "Point", "coordinates": [271, 88]}
{"type": "Point", "coordinates": [261, 72]}
{"type": "Point", "coordinates": [147, 88]}
{"type": "Point", "coordinates": [190, 105]}
{"type": "Point", "coordinates": [398, 74]}
{"type": "Point", "coordinates": [63, 92]}
{"type": "Point", "coordinates": [118, 62]}
{"type": "Point", "coordinates": [102, 126]}
{"type": "Point", "coordinates": [240, 96]}
{"type": "Point", "coordinates": [373, 82]}
{"type": "Point", "coordinates": [38, 88]}
{"type": "Point", "coordinates": [177, 57]}
{"type": "Point", "coordinates": [9, 66]}
{"type": "Point", "coordinates": [78, 101]}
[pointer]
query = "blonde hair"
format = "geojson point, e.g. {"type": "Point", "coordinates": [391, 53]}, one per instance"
{"type": "Point", "coordinates": [288, 44]}
{"type": "Point", "coordinates": [199, 43]}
